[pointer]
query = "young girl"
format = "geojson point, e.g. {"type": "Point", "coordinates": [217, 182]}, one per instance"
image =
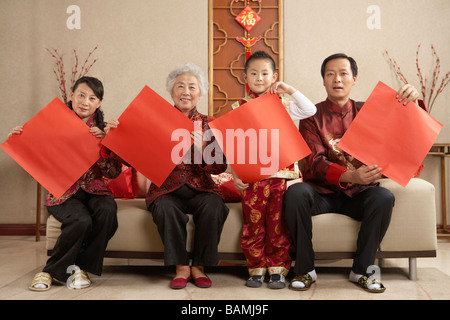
{"type": "Point", "coordinates": [87, 210]}
{"type": "Point", "coordinates": [265, 239]}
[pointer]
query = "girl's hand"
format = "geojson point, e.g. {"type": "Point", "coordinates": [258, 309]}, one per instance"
{"type": "Point", "coordinates": [16, 130]}
{"type": "Point", "coordinates": [281, 87]}
{"type": "Point", "coordinates": [111, 124]}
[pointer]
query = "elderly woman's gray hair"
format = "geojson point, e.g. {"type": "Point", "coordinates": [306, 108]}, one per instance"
{"type": "Point", "coordinates": [188, 68]}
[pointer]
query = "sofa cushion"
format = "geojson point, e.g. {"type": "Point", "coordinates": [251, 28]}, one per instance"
{"type": "Point", "coordinates": [333, 232]}
{"type": "Point", "coordinates": [138, 233]}
{"type": "Point", "coordinates": [412, 227]}
{"type": "Point", "coordinates": [413, 221]}
{"type": "Point", "coordinates": [226, 185]}
{"type": "Point", "coordinates": [121, 186]}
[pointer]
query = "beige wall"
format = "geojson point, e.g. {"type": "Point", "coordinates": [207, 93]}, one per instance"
{"type": "Point", "coordinates": [140, 41]}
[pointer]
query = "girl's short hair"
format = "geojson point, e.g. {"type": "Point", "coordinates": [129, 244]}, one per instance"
{"type": "Point", "coordinates": [188, 68]}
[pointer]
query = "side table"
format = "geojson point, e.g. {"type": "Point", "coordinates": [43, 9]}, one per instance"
{"type": "Point", "coordinates": [442, 150]}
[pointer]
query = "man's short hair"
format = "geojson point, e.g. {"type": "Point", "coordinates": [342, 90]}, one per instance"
{"type": "Point", "coordinates": [352, 61]}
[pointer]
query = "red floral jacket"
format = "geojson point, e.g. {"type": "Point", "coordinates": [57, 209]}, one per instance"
{"type": "Point", "coordinates": [196, 176]}
{"type": "Point", "coordinates": [108, 165]}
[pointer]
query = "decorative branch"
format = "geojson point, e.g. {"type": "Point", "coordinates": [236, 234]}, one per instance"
{"type": "Point", "coordinates": [397, 70]}
{"type": "Point", "coordinates": [60, 74]}
{"type": "Point", "coordinates": [432, 93]}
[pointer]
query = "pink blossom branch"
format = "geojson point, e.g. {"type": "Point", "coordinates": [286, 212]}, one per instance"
{"type": "Point", "coordinates": [84, 69]}
{"type": "Point", "coordinates": [444, 83]}
{"type": "Point", "coordinates": [419, 74]}
{"type": "Point", "coordinates": [436, 71]}
{"type": "Point", "coordinates": [58, 70]}
{"type": "Point", "coordinates": [433, 92]}
{"type": "Point", "coordinates": [397, 70]}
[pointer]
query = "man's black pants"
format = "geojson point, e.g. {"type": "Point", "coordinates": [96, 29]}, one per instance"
{"type": "Point", "coordinates": [373, 207]}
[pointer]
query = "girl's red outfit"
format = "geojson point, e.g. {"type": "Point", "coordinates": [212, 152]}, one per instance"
{"type": "Point", "coordinates": [265, 239]}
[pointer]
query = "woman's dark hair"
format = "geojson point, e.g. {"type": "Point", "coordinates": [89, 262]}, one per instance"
{"type": "Point", "coordinates": [96, 86]}
{"type": "Point", "coordinates": [260, 55]}
{"type": "Point", "coordinates": [352, 61]}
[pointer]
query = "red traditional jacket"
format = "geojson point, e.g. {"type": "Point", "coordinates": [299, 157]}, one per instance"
{"type": "Point", "coordinates": [108, 165]}
{"type": "Point", "coordinates": [326, 164]}
{"type": "Point", "coordinates": [195, 174]}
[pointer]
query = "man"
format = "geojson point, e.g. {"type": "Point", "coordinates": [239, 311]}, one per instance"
{"type": "Point", "coordinates": [334, 181]}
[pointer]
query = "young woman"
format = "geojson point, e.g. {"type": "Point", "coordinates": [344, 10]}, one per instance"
{"type": "Point", "coordinates": [87, 211]}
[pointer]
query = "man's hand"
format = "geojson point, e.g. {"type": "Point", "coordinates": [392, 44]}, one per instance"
{"type": "Point", "coordinates": [362, 175]}
{"type": "Point", "coordinates": [406, 94]}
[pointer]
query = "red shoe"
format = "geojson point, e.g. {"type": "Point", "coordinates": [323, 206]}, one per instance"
{"type": "Point", "coordinates": [202, 282]}
{"type": "Point", "coordinates": [179, 283]}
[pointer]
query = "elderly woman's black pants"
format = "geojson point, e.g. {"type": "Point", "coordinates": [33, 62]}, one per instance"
{"type": "Point", "coordinates": [373, 207]}
{"type": "Point", "coordinates": [209, 212]}
{"type": "Point", "coordinates": [87, 223]}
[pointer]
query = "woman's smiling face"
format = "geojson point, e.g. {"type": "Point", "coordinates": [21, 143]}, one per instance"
{"type": "Point", "coordinates": [84, 101]}
{"type": "Point", "coordinates": [186, 92]}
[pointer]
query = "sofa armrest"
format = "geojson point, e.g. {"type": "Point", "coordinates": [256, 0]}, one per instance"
{"type": "Point", "coordinates": [413, 222]}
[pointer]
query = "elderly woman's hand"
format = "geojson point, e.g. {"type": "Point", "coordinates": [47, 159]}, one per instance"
{"type": "Point", "coordinates": [238, 183]}
{"type": "Point", "coordinates": [111, 124]}
{"type": "Point", "coordinates": [197, 136]}
{"type": "Point", "coordinates": [16, 130]}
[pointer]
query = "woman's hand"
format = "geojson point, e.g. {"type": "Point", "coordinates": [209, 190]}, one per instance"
{"type": "Point", "coordinates": [111, 124]}
{"type": "Point", "coordinates": [16, 130]}
{"type": "Point", "coordinates": [97, 132]}
{"type": "Point", "coordinates": [197, 136]}
{"type": "Point", "coordinates": [238, 183]}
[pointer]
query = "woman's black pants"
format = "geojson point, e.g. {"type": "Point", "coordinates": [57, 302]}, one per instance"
{"type": "Point", "coordinates": [169, 213]}
{"type": "Point", "coordinates": [88, 221]}
{"type": "Point", "coordinates": [373, 207]}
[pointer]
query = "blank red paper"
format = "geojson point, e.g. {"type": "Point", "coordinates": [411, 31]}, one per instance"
{"type": "Point", "coordinates": [395, 137]}
{"type": "Point", "coordinates": [55, 147]}
{"type": "Point", "coordinates": [143, 137]}
{"type": "Point", "coordinates": [259, 138]}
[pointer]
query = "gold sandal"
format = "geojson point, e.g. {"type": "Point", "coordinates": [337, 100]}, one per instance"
{"type": "Point", "coordinates": [77, 277]}
{"type": "Point", "coordinates": [306, 279]}
{"type": "Point", "coordinates": [365, 282]}
{"type": "Point", "coordinates": [43, 278]}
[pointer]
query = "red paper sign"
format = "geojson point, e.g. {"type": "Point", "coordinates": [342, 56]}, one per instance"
{"type": "Point", "coordinates": [259, 138]}
{"type": "Point", "coordinates": [143, 137]}
{"type": "Point", "coordinates": [55, 147]}
{"type": "Point", "coordinates": [386, 133]}
{"type": "Point", "coordinates": [248, 18]}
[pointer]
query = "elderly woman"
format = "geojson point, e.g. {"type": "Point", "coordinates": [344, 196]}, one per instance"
{"type": "Point", "coordinates": [189, 189]}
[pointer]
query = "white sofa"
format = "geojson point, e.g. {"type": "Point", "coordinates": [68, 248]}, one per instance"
{"type": "Point", "coordinates": [411, 234]}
